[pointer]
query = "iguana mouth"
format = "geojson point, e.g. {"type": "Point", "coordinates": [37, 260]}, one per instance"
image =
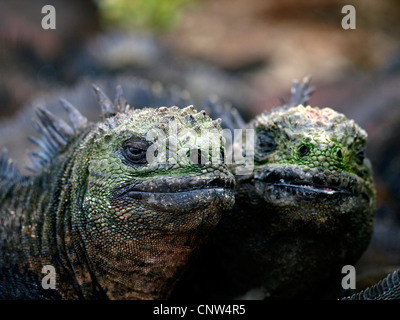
{"type": "Point", "coordinates": [306, 180]}
{"type": "Point", "coordinates": [177, 184]}
{"type": "Point", "coordinates": [180, 195]}
{"type": "Point", "coordinates": [186, 201]}
{"type": "Point", "coordinates": [306, 186]}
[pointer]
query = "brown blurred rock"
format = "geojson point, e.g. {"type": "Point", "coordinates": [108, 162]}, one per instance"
{"type": "Point", "coordinates": [32, 59]}
{"type": "Point", "coordinates": [291, 38]}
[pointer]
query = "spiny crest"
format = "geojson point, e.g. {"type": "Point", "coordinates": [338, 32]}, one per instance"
{"type": "Point", "coordinates": [8, 168]}
{"type": "Point", "coordinates": [55, 132]}
{"type": "Point", "coordinates": [230, 116]}
{"type": "Point", "coordinates": [109, 108]}
{"type": "Point", "coordinates": [299, 93]}
{"type": "Point", "coordinates": [299, 96]}
{"type": "Point", "coordinates": [386, 289]}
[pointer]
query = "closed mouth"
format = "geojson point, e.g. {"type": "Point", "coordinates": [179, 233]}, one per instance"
{"type": "Point", "coordinates": [176, 185]}
{"type": "Point", "coordinates": [309, 181]}
{"type": "Point", "coordinates": [179, 195]}
{"type": "Point", "coordinates": [306, 186]}
{"type": "Point", "coordinates": [183, 202]}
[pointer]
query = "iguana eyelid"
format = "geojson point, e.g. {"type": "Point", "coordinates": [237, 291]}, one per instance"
{"type": "Point", "coordinates": [265, 141]}
{"type": "Point", "coordinates": [134, 150]}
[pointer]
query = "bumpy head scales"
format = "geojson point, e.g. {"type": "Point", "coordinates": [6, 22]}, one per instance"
{"type": "Point", "coordinates": [55, 133]}
{"type": "Point", "coordinates": [311, 137]}
{"type": "Point", "coordinates": [176, 135]}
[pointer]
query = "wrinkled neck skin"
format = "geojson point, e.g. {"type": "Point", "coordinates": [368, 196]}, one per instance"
{"type": "Point", "coordinates": [289, 238]}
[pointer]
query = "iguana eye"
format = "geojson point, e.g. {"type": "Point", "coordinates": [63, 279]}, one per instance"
{"type": "Point", "coordinates": [265, 142]}
{"type": "Point", "coordinates": [134, 151]}
{"type": "Point", "coordinates": [303, 150]}
{"type": "Point", "coordinates": [360, 155]}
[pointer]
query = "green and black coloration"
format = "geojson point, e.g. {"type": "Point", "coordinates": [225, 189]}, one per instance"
{"type": "Point", "coordinates": [115, 226]}
{"type": "Point", "coordinates": [303, 212]}
{"type": "Point", "coordinates": [112, 224]}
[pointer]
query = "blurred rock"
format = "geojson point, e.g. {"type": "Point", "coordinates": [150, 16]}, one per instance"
{"type": "Point", "coordinates": [33, 60]}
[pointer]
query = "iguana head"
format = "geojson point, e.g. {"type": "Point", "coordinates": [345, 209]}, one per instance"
{"type": "Point", "coordinates": [309, 201]}
{"type": "Point", "coordinates": [304, 151]}
{"type": "Point", "coordinates": [146, 186]}
{"type": "Point", "coordinates": [159, 169]}
{"type": "Point", "coordinates": [154, 188]}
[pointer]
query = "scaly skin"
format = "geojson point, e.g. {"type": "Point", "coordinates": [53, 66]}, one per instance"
{"type": "Point", "coordinates": [112, 224]}
{"type": "Point", "coordinates": [386, 289]}
{"type": "Point", "coordinates": [304, 212]}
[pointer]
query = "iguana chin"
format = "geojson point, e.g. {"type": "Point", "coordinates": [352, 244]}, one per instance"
{"type": "Point", "coordinates": [303, 212]}
{"type": "Point", "coordinates": [111, 224]}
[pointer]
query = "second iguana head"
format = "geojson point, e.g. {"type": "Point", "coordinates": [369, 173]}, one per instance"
{"type": "Point", "coordinates": [304, 206]}
{"type": "Point", "coordinates": [307, 150]}
{"type": "Point", "coordinates": [309, 201]}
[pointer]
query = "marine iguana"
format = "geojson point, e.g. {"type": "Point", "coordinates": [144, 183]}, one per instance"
{"type": "Point", "coordinates": [386, 289]}
{"type": "Point", "coordinates": [302, 213]}
{"type": "Point", "coordinates": [231, 119]}
{"type": "Point", "coordinates": [112, 224]}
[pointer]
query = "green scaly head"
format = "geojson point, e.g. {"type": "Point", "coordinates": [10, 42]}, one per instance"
{"type": "Point", "coordinates": [317, 143]}
{"type": "Point", "coordinates": [137, 167]}
{"type": "Point", "coordinates": [307, 207]}
{"type": "Point", "coordinates": [153, 191]}
{"type": "Point", "coordinates": [142, 189]}
{"type": "Point", "coordinates": [304, 206]}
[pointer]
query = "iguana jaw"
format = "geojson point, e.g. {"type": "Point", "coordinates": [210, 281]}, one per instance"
{"type": "Point", "coordinates": [301, 187]}
{"type": "Point", "coordinates": [152, 228]}
{"type": "Point", "coordinates": [302, 220]}
{"type": "Point", "coordinates": [181, 195]}
{"type": "Point", "coordinates": [184, 202]}
{"type": "Point", "coordinates": [301, 180]}
{"type": "Point", "coordinates": [177, 184]}
{"type": "Point", "coordinates": [307, 187]}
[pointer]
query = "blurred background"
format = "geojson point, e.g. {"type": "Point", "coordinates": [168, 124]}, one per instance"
{"type": "Point", "coordinates": [246, 52]}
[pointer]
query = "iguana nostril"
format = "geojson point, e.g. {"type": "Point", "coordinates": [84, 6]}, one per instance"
{"type": "Point", "coordinates": [303, 150]}
{"type": "Point", "coordinates": [339, 154]}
